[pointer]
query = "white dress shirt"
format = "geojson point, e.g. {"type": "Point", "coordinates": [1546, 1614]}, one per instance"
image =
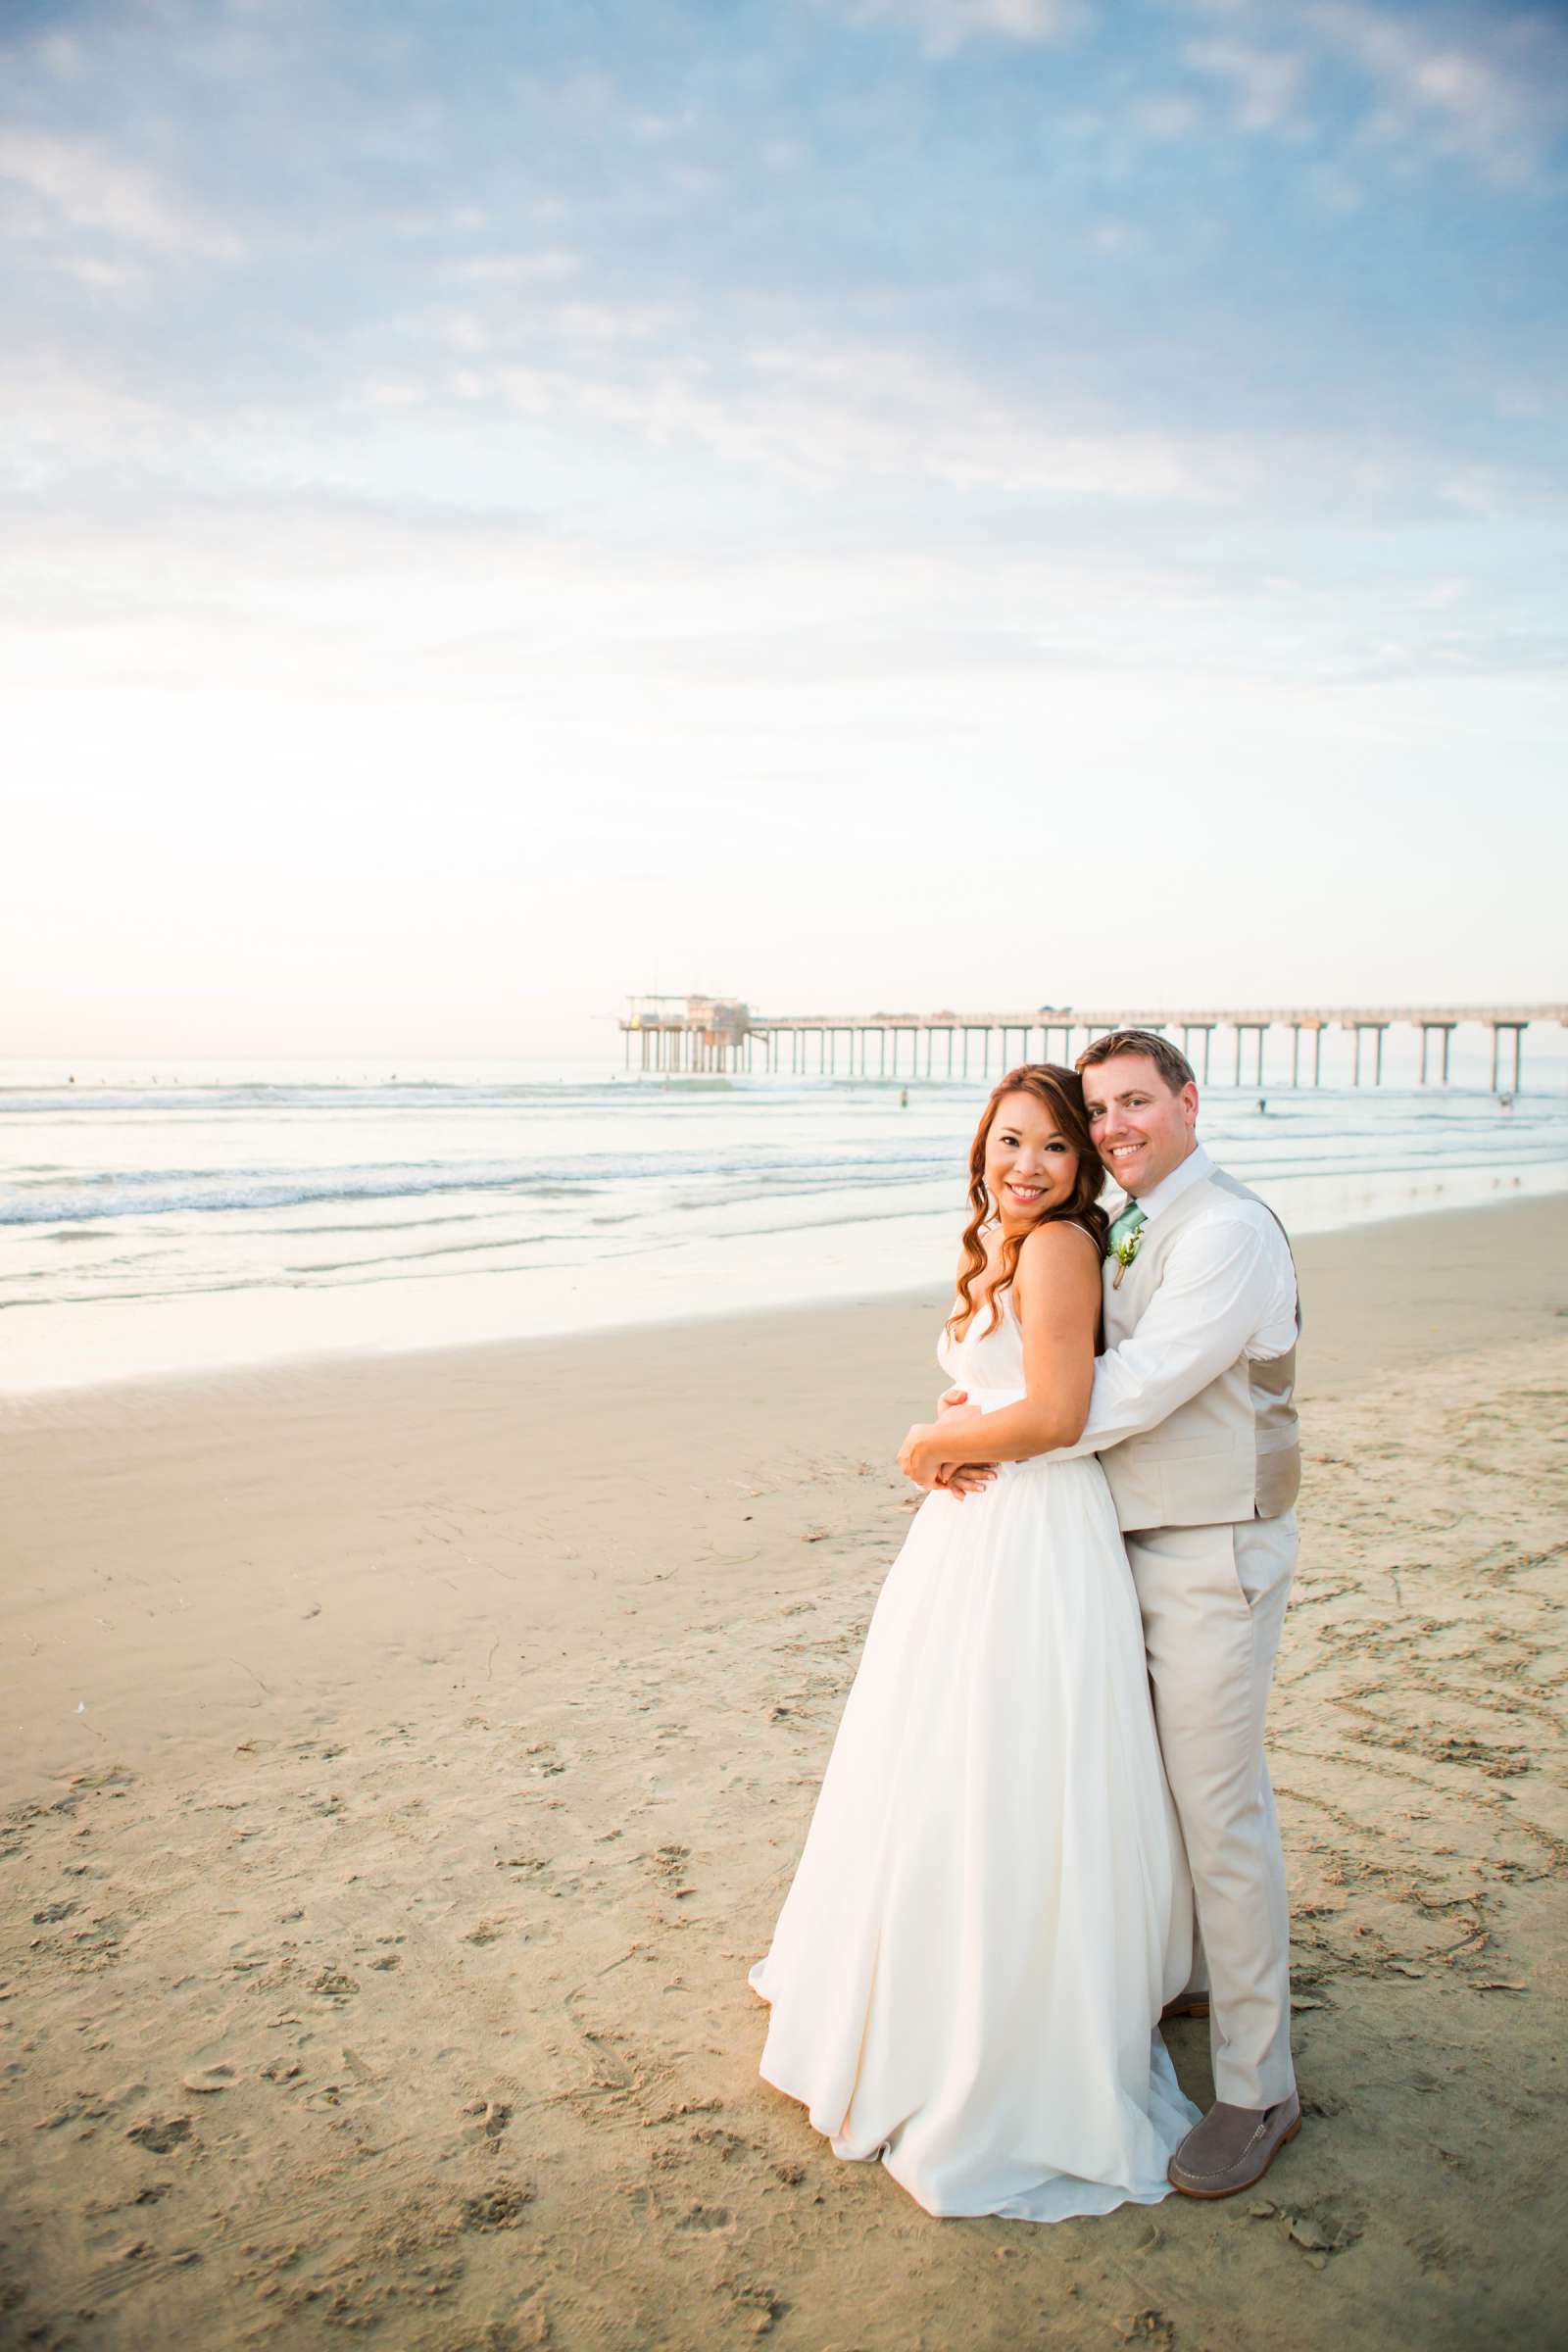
{"type": "Point", "coordinates": [1228, 1290]}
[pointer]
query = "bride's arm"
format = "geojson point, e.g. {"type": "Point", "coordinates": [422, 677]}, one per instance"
{"type": "Point", "coordinates": [1057, 1293]}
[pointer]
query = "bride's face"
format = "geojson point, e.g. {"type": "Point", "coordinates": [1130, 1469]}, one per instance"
{"type": "Point", "coordinates": [1029, 1166]}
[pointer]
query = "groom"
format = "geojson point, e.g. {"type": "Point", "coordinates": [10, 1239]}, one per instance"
{"type": "Point", "coordinates": [1192, 1420]}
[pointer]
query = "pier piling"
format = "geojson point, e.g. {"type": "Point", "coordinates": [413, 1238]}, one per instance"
{"type": "Point", "coordinates": [1516, 1030]}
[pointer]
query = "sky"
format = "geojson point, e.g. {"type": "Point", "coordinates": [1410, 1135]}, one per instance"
{"type": "Point", "coordinates": [844, 503]}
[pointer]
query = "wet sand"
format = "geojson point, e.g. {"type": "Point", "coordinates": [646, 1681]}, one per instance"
{"type": "Point", "coordinates": [409, 1757]}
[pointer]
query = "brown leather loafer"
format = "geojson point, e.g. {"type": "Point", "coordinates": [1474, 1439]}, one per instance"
{"type": "Point", "coordinates": [1186, 2004]}
{"type": "Point", "coordinates": [1232, 2148]}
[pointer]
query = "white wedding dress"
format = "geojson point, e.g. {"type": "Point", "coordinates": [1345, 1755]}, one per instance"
{"type": "Point", "coordinates": [992, 1901]}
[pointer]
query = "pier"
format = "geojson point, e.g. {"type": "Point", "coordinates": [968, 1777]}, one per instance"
{"type": "Point", "coordinates": [718, 1035]}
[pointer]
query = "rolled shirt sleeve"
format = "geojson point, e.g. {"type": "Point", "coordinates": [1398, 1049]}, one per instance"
{"type": "Point", "coordinates": [1221, 1296]}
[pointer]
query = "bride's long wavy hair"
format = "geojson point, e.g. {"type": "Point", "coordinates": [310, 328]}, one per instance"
{"type": "Point", "coordinates": [1060, 1093]}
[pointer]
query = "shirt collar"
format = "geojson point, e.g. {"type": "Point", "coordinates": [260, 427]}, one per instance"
{"type": "Point", "coordinates": [1170, 1189]}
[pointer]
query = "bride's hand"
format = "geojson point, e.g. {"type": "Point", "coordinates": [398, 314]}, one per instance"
{"type": "Point", "coordinates": [920, 1455]}
{"type": "Point", "coordinates": [950, 1400]}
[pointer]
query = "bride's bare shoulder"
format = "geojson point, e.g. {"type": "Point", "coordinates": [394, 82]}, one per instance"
{"type": "Point", "coordinates": [1061, 1241]}
{"type": "Point", "coordinates": [1058, 1255]}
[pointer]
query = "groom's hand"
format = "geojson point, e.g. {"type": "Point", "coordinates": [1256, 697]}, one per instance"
{"type": "Point", "coordinates": [961, 1478]}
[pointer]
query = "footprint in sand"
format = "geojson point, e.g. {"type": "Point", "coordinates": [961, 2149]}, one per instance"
{"type": "Point", "coordinates": [1436, 2250]}
{"type": "Point", "coordinates": [706, 2217]}
{"type": "Point", "coordinates": [208, 2078]}
{"type": "Point", "coordinates": [161, 2132]}
{"type": "Point", "coordinates": [491, 2118]}
{"type": "Point", "coordinates": [334, 1986]}
{"type": "Point", "coordinates": [499, 2208]}
{"type": "Point", "coordinates": [1323, 2229]}
{"type": "Point", "coordinates": [768, 2308]}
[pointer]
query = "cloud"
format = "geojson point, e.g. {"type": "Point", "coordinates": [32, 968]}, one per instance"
{"type": "Point", "coordinates": [64, 422]}
{"type": "Point", "coordinates": [1265, 81]}
{"type": "Point", "coordinates": [519, 269]}
{"type": "Point", "coordinates": [381, 611]}
{"type": "Point", "coordinates": [64, 186]}
{"type": "Point", "coordinates": [817, 409]}
{"type": "Point", "coordinates": [63, 57]}
{"type": "Point", "coordinates": [946, 25]}
{"type": "Point", "coordinates": [1166, 115]}
{"type": "Point", "coordinates": [1490, 85]}
{"type": "Point", "coordinates": [762, 400]}
{"type": "Point", "coordinates": [1496, 93]}
{"type": "Point", "coordinates": [507, 317]}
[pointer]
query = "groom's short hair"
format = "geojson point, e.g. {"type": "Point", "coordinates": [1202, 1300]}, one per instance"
{"type": "Point", "coordinates": [1172, 1064]}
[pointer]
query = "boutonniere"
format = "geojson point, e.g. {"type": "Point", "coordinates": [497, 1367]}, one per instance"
{"type": "Point", "coordinates": [1124, 1251]}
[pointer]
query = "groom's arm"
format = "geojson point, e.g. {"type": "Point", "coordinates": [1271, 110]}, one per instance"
{"type": "Point", "coordinates": [1219, 1289]}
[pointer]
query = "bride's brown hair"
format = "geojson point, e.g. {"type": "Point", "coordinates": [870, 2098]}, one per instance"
{"type": "Point", "coordinates": [1062, 1093]}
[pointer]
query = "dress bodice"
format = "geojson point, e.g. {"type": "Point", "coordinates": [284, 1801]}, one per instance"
{"type": "Point", "coordinates": [988, 1364]}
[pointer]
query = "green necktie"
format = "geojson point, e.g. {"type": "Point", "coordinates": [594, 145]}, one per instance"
{"type": "Point", "coordinates": [1127, 1224]}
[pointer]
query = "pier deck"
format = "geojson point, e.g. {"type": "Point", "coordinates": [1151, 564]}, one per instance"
{"type": "Point", "coordinates": [721, 1034]}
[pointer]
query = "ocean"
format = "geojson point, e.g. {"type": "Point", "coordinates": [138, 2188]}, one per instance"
{"type": "Point", "coordinates": [177, 1217]}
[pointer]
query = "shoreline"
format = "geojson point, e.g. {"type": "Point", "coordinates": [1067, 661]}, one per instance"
{"type": "Point", "coordinates": [22, 1406]}
{"type": "Point", "coordinates": [414, 1752]}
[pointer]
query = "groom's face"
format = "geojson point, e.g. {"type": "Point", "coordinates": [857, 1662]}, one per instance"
{"type": "Point", "coordinates": [1143, 1127]}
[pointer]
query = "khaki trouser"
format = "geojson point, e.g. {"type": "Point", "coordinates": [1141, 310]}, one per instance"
{"type": "Point", "coordinates": [1213, 1601]}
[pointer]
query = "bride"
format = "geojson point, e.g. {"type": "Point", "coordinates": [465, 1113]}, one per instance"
{"type": "Point", "coordinates": [992, 1905]}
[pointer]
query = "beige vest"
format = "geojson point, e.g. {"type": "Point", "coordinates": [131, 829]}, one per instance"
{"type": "Point", "coordinates": [1232, 1451]}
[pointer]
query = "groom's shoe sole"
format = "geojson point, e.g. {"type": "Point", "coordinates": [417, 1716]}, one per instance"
{"type": "Point", "coordinates": [1211, 2174]}
{"type": "Point", "coordinates": [1189, 2004]}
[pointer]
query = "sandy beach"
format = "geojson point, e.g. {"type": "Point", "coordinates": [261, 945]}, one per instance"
{"type": "Point", "coordinates": [408, 1757]}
